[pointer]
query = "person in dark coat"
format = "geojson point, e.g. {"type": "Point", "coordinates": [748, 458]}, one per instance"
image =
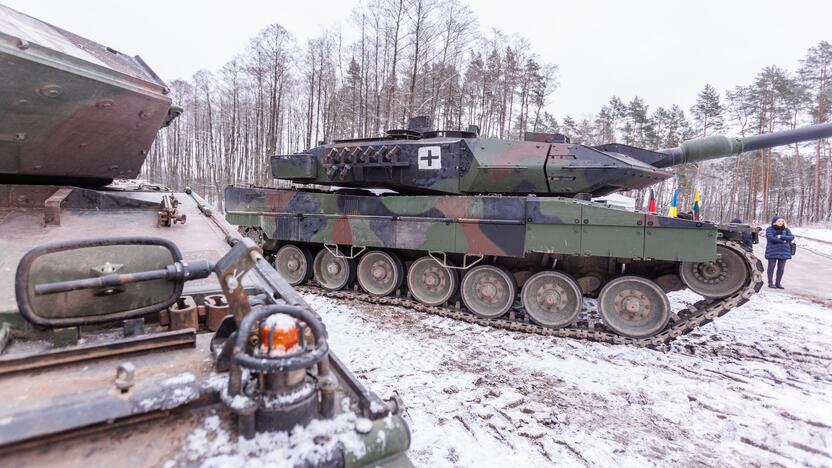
{"type": "Point", "coordinates": [747, 239]}
{"type": "Point", "coordinates": [778, 249]}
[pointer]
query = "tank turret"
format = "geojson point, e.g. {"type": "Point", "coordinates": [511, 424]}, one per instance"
{"type": "Point", "coordinates": [420, 160]}
{"type": "Point", "coordinates": [73, 111]}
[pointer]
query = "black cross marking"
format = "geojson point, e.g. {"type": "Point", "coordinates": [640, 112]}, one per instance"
{"type": "Point", "coordinates": [429, 158]}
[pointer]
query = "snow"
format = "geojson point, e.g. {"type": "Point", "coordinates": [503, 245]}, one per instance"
{"type": "Point", "coordinates": [239, 402]}
{"type": "Point", "coordinates": [217, 381]}
{"type": "Point", "coordinates": [173, 399]}
{"type": "Point", "coordinates": [818, 240]}
{"type": "Point", "coordinates": [814, 246]}
{"type": "Point", "coordinates": [754, 385]}
{"type": "Point", "coordinates": [282, 325]}
{"type": "Point", "coordinates": [282, 400]}
{"type": "Point", "coordinates": [243, 400]}
{"type": "Point", "coordinates": [180, 379]}
{"type": "Point", "coordinates": [820, 233]}
{"type": "Point", "coordinates": [281, 322]}
{"type": "Point", "coordinates": [213, 445]}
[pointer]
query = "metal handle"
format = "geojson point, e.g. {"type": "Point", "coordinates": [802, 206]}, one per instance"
{"type": "Point", "coordinates": [179, 271]}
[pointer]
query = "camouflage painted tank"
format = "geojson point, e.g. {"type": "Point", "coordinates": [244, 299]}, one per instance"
{"type": "Point", "coordinates": [504, 233]}
{"type": "Point", "coordinates": [114, 351]}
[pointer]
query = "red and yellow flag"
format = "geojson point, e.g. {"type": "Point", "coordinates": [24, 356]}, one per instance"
{"type": "Point", "coordinates": [651, 208]}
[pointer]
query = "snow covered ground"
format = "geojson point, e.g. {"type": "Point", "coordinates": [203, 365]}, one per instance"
{"type": "Point", "coordinates": [818, 240]}
{"type": "Point", "coordinates": [755, 387]}
{"type": "Point", "coordinates": [821, 233]}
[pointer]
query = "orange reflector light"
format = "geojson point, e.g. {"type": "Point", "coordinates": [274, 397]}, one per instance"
{"type": "Point", "coordinates": [279, 334]}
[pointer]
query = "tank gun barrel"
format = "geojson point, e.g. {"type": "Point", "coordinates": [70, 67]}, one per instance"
{"type": "Point", "coordinates": [720, 146]}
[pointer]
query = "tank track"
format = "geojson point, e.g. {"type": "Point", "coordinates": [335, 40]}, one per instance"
{"type": "Point", "coordinates": [681, 322]}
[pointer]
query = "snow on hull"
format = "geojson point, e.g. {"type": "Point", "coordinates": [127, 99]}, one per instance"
{"type": "Point", "coordinates": [212, 445]}
{"type": "Point", "coordinates": [754, 386]}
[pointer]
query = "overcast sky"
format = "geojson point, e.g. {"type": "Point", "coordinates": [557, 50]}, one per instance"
{"type": "Point", "coordinates": [664, 51]}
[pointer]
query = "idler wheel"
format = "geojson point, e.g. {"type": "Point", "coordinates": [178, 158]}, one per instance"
{"type": "Point", "coordinates": [551, 298]}
{"type": "Point", "coordinates": [331, 272]}
{"type": "Point", "coordinates": [488, 291]}
{"type": "Point", "coordinates": [720, 278]}
{"type": "Point", "coordinates": [431, 283]}
{"type": "Point", "coordinates": [380, 273]}
{"type": "Point", "coordinates": [634, 307]}
{"type": "Point", "coordinates": [294, 263]}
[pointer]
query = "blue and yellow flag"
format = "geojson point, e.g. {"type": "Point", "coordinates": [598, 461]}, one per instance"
{"type": "Point", "coordinates": [671, 213]}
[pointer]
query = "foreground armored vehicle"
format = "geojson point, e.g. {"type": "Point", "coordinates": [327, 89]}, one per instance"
{"type": "Point", "coordinates": [507, 227]}
{"type": "Point", "coordinates": [137, 348]}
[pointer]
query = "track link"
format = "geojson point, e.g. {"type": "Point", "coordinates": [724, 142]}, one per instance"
{"type": "Point", "coordinates": [682, 321]}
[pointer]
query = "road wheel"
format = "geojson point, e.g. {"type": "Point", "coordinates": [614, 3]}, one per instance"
{"type": "Point", "coordinates": [634, 307]}
{"type": "Point", "coordinates": [431, 283]}
{"type": "Point", "coordinates": [331, 272]}
{"type": "Point", "coordinates": [551, 298]}
{"type": "Point", "coordinates": [380, 273]}
{"type": "Point", "coordinates": [720, 278]}
{"type": "Point", "coordinates": [488, 291]}
{"type": "Point", "coordinates": [294, 263]}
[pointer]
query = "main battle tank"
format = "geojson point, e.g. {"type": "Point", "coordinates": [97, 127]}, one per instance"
{"type": "Point", "coordinates": [125, 350]}
{"type": "Point", "coordinates": [503, 232]}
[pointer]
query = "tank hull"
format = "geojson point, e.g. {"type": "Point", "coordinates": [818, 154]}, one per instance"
{"type": "Point", "coordinates": [501, 226]}
{"type": "Point", "coordinates": [522, 263]}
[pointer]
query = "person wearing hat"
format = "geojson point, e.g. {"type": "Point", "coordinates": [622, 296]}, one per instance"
{"type": "Point", "coordinates": [778, 249]}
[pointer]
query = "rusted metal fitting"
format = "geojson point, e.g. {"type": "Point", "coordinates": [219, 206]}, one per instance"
{"type": "Point", "coordinates": [52, 207]}
{"type": "Point", "coordinates": [216, 309]}
{"type": "Point", "coordinates": [133, 327]}
{"type": "Point", "coordinates": [395, 404]}
{"type": "Point", "coordinates": [164, 318]}
{"type": "Point", "coordinates": [183, 314]}
{"type": "Point", "coordinates": [125, 376]}
{"type": "Point", "coordinates": [168, 214]}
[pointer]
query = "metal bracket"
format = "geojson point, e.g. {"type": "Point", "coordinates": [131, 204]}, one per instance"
{"type": "Point", "coordinates": [230, 270]}
{"type": "Point", "coordinates": [465, 265]}
{"type": "Point", "coordinates": [52, 207]}
{"type": "Point", "coordinates": [168, 214]}
{"type": "Point", "coordinates": [336, 252]}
